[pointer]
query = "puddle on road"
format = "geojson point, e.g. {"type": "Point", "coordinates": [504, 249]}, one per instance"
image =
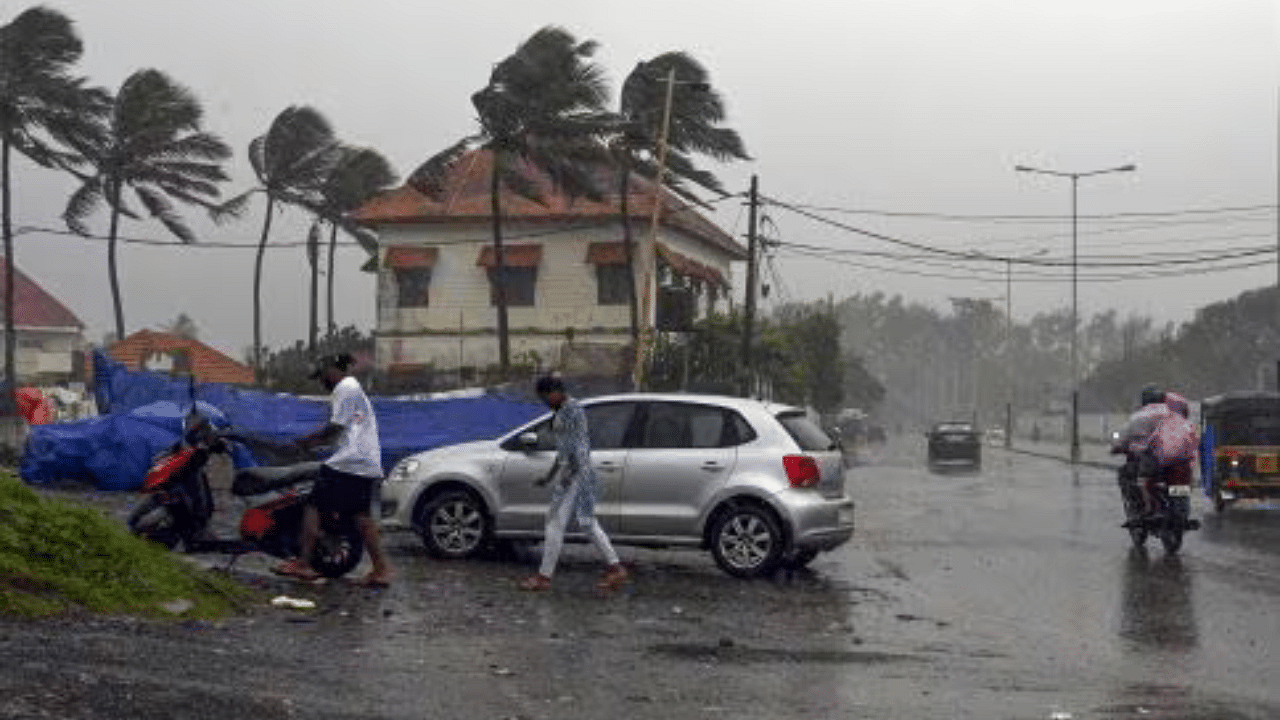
{"type": "Point", "coordinates": [733, 653]}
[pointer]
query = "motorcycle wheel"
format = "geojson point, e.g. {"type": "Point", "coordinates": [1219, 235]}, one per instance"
{"type": "Point", "coordinates": [1171, 538]}
{"type": "Point", "coordinates": [152, 521]}
{"type": "Point", "coordinates": [337, 552]}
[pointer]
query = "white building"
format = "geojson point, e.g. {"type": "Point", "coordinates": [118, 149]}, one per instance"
{"type": "Point", "coordinates": [566, 269]}
{"type": "Point", "coordinates": [50, 337]}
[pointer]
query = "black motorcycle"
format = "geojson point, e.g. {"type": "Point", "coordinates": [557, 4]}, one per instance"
{"type": "Point", "coordinates": [1170, 514]}
{"type": "Point", "coordinates": [180, 504]}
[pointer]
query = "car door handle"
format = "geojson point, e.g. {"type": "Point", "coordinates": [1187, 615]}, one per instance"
{"type": "Point", "coordinates": [607, 466]}
{"type": "Point", "coordinates": [712, 466]}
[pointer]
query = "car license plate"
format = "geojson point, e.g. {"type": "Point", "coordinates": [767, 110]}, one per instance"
{"type": "Point", "coordinates": [1267, 463]}
{"type": "Point", "coordinates": [1179, 491]}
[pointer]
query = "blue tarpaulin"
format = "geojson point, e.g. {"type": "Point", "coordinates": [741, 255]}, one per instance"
{"type": "Point", "coordinates": [143, 410]}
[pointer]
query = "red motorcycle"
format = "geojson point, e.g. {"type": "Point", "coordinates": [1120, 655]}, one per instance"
{"type": "Point", "coordinates": [180, 504]}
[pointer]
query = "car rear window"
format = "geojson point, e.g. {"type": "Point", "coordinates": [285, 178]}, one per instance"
{"type": "Point", "coordinates": [805, 432]}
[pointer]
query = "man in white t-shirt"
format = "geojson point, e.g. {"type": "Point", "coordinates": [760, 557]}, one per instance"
{"type": "Point", "coordinates": [349, 477]}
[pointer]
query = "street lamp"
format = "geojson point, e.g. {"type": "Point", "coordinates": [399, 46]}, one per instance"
{"type": "Point", "coordinates": [1075, 380]}
{"type": "Point", "coordinates": [649, 250]}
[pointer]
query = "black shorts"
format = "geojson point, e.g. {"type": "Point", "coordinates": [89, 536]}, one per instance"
{"type": "Point", "coordinates": [343, 493]}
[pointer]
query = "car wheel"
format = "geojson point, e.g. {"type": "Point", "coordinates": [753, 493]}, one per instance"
{"type": "Point", "coordinates": [747, 542]}
{"type": "Point", "coordinates": [338, 552]}
{"type": "Point", "coordinates": [455, 525]}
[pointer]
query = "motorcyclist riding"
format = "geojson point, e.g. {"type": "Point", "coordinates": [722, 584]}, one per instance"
{"type": "Point", "coordinates": [1135, 442]}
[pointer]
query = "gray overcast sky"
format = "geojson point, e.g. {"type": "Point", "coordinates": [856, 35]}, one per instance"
{"type": "Point", "coordinates": [904, 105]}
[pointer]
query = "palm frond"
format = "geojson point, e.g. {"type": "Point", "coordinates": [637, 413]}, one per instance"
{"type": "Point", "coordinates": [159, 207]}
{"type": "Point", "coordinates": [232, 208]}
{"type": "Point", "coordinates": [516, 179]}
{"type": "Point", "coordinates": [81, 205]}
{"type": "Point", "coordinates": [296, 147]}
{"type": "Point", "coordinates": [432, 177]}
{"type": "Point", "coordinates": [367, 238]}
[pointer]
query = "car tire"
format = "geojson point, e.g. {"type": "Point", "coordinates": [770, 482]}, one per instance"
{"type": "Point", "coordinates": [747, 541]}
{"type": "Point", "coordinates": [455, 525]}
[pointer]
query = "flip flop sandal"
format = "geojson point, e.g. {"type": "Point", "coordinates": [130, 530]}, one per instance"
{"type": "Point", "coordinates": [290, 568]}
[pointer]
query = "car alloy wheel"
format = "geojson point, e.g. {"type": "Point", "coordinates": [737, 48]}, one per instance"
{"type": "Point", "coordinates": [747, 542]}
{"type": "Point", "coordinates": [454, 525]}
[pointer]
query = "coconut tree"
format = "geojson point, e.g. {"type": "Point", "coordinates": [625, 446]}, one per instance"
{"type": "Point", "coordinates": [291, 162]}
{"type": "Point", "coordinates": [156, 151]}
{"type": "Point", "coordinates": [693, 128]}
{"type": "Point", "coordinates": [46, 113]}
{"type": "Point", "coordinates": [358, 175]}
{"type": "Point", "coordinates": [541, 117]}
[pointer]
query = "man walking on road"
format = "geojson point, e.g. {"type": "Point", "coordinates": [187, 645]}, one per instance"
{"type": "Point", "coordinates": [574, 489]}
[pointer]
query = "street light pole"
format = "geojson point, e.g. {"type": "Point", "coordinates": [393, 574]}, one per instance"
{"type": "Point", "coordinates": [648, 255]}
{"type": "Point", "coordinates": [1075, 308]}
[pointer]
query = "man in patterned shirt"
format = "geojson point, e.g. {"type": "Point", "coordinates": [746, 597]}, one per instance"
{"type": "Point", "coordinates": [574, 490]}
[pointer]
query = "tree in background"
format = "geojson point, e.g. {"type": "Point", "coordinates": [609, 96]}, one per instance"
{"type": "Point", "coordinates": [183, 326]}
{"type": "Point", "coordinates": [47, 115]}
{"type": "Point", "coordinates": [358, 175]}
{"type": "Point", "coordinates": [291, 160]}
{"type": "Point", "coordinates": [694, 128]}
{"type": "Point", "coordinates": [154, 147]}
{"type": "Point", "coordinates": [289, 368]}
{"type": "Point", "coordinates": [541, 116]}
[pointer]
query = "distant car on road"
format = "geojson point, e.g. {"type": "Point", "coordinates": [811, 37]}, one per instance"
{"type": "Point", "coordinates": [757, 484]}
{"type": "Point", "coordinates": [955, 443]}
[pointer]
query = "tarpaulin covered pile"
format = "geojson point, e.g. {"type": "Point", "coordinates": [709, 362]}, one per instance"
{"type": "Point", "coordinates": [404, 426]}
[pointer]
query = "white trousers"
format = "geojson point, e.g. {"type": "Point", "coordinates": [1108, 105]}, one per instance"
{"type": "Point", "coordinates": [563, 503]}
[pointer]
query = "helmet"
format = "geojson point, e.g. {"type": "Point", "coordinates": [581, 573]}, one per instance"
{"type": "Point", "coordinates": [1151, 394]}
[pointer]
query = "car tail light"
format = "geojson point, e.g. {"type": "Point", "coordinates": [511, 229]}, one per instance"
{"type": "Point", "coordinates": [802, 470]}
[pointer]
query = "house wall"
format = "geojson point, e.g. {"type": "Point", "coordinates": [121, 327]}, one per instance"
{"type": "Point", "coordinates": [459, 328]}
{"type": "Point", "coordinates": [45, 352]}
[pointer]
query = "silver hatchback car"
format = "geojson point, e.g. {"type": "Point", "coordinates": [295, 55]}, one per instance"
{"type": "Point", "coordinates": [757, 484]}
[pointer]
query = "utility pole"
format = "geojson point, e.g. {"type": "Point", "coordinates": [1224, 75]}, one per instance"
{"type": "Point", "coordinates": [1008, 352]}
{"type": "Point", "coordinates": [749, 307]}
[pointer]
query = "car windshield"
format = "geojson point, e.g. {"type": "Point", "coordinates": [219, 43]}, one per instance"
{"type": "Point", "coordinates": [805, 432]}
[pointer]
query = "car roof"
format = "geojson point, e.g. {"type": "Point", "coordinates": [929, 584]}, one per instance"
{"type": "Point", "coordinates": [729, 401]}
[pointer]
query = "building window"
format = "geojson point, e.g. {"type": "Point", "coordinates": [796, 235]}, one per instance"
{"type": "Point", "coordinates": [612, 287]}
{"type": "Point", "coordinates": [413, 287]}
{"type": "Point", "coordinates": [522, 283]}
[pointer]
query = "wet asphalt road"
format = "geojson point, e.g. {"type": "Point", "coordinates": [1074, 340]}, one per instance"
{"type": "Point", "coordinates": [1009, 593]}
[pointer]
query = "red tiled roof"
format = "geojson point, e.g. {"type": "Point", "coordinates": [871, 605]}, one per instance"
{"type": "Point", "coordinates": [33, 307]}
{"type": "Point", "coordinates": [207, 364]}
{"type": "Point", "coordinates": [688, 267]}
{"type": "Point", "coordinates": [516, 256]}
{"type": "Point", "coordinates": [466, 198]}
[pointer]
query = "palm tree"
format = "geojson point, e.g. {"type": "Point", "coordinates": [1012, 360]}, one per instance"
{"type": "Point", "coordinates": [694, 128]}
{"type": "Point", "coordinates": [154, 145]}
{"type": "Point", "coordinates": [541, 116]}
{"type": "Point", "coordinates": [46, 113]}
{"type": "Point", "coordinates": [291, 161]}
{"type": "Point", "coordinates": [360, 173]}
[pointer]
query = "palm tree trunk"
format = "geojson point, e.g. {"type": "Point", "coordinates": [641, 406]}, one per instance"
{"type": "Point", "coordinates": [257, 289]}
{"type": "Point", "coordinates": [500, 267]}
{"type": "Point", "coordinates": [629, 246]}
{"type": "Point", "coordinates": [7, 404]}
{"type": "Point", "coordinates": [112, 272]}
{"type": "Point", "coordinates": [313, 321]}
{"type": "Point", "coordinates": [333, 249]}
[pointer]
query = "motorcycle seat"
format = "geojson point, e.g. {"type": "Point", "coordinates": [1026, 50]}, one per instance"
{"type": "Point", "coordinates": [259, 480]}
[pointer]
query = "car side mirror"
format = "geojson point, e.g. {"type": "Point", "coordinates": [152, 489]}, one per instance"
{"type": "Point", "coordinates": [528, 441]}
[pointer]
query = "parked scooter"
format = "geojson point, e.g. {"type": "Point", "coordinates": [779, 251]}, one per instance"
{"type": "Point", "coordinates": [180, 504]}
{"type": "Point", "coordinates": [1169, 515]}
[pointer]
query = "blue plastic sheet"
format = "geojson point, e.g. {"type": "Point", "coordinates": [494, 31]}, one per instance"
{"type": "Point", "coordinates": [144, 412]}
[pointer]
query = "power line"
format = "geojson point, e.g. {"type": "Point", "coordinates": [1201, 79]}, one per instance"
{"type": "Point", "coordinates": [1034, 218]}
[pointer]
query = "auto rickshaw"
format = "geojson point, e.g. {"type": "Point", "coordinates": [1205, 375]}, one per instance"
{"type": "Point", "coordinates": [1240, 447]}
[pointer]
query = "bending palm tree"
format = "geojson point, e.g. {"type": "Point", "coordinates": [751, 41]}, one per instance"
{"type": "Point", "coordinates": [693, 127]}
{"type": "Point", "coordinates": [540, 115]}
{"type": "Point", "coordinates": [154, 146]}
{"type": "Point", "coordinates": [291, 162]}
{"type": "Point", "coordinates": [360, 173]}
{"type": "Point", "coordinates": [42, 107]}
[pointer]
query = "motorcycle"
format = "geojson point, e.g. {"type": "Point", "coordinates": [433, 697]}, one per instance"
{"type": "Point", "coordinates": [1169, 493]}
{"type": "Point", "coordinates": [180, 504]}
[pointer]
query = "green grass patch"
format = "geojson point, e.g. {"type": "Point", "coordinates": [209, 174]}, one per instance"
{"type": "Point", "coordinates": [57, 557]}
